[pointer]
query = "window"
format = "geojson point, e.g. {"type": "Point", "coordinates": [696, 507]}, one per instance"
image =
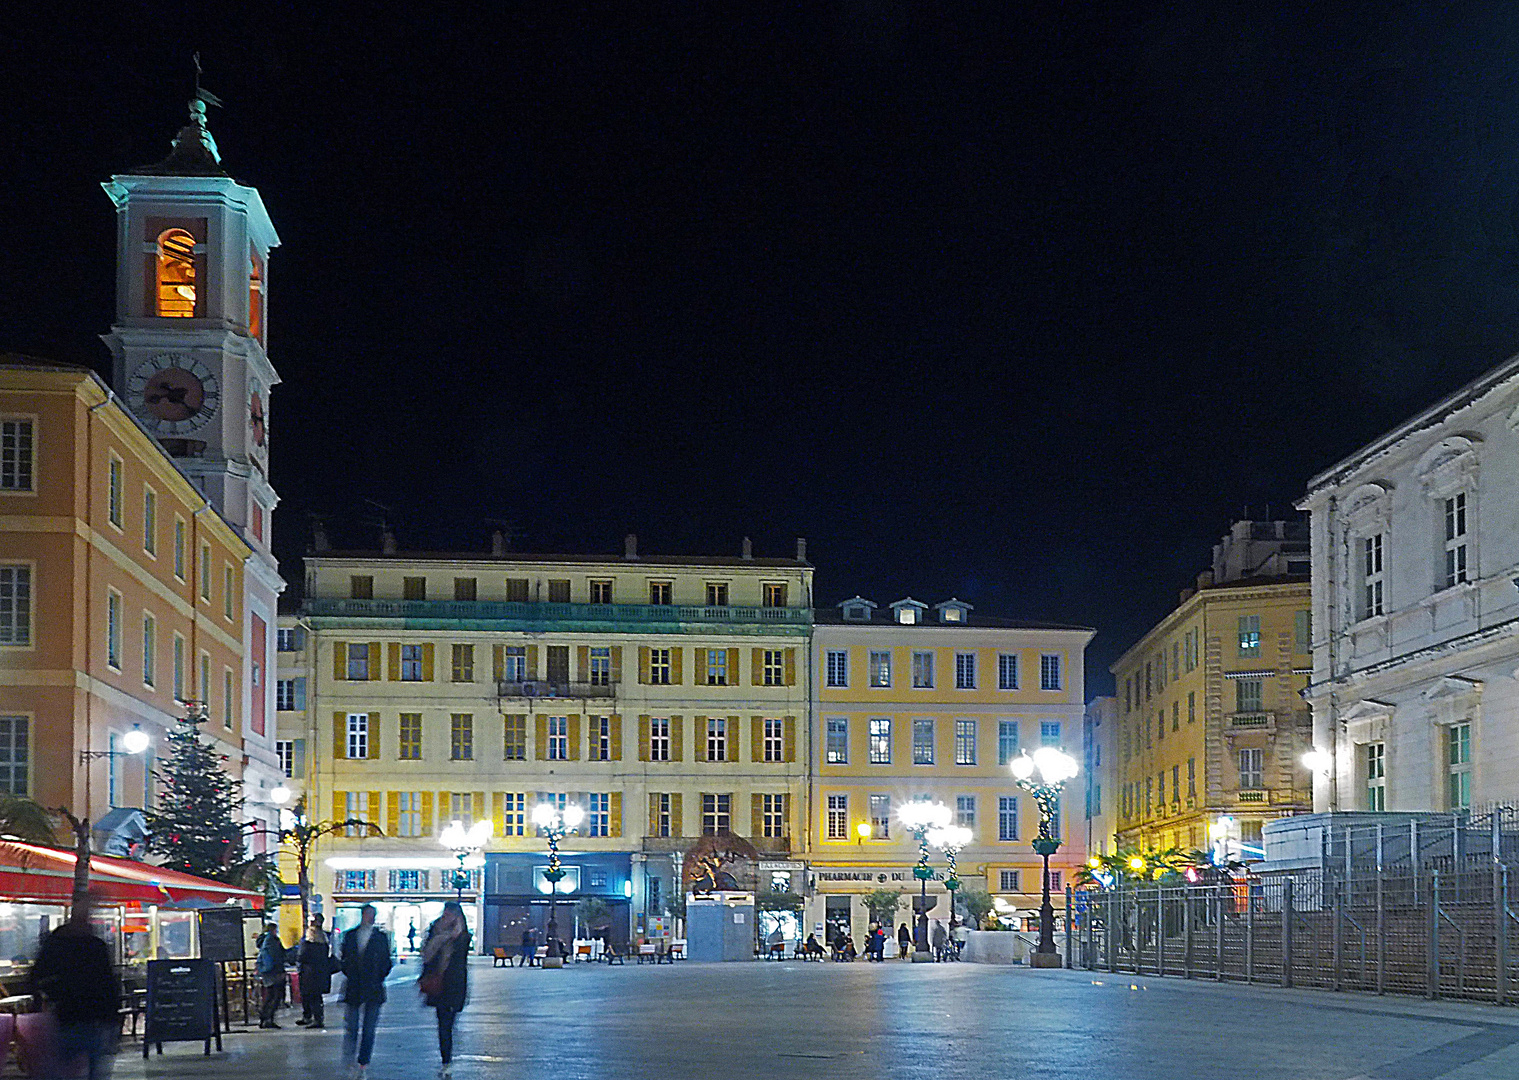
{"type": "Point", "coordinates": [361, 587]}
{"type": "Point", "coordinates": [559, 738]}
{"type": "Point", "coordinates": [965, 811]}
{"type": "Point", "coordinates": [838, 667]}
{"type": "Point", "coordinates": [406, 880]}
{"type": "Point", "coordinates": [516, 590]}
{"type": "Point", "coordinates": [1302, 632]}
{"type": "Point", "coordinates": [16, 461]}
{"type": "Point", "coordinates": [601, 590]}
{"type": "Point", "coordinates": [965, 742]}
{"type": "Point", "coordinates": [717, 667]}
{"type": "Point", "coordinates": [774, 663]}
{"type": "Point", "coordinates": [1189, 650]}
{"type": "Point", "coordinates": [600, 673]}
{"type": "Point", "coordinates": [1007, 741]}
{"type": "Point", "coordinates": [923, 742]}
{"type": "Point", "coordinates": [228, 593]}
{"type": "Point", "coordinates": [880, 817]}
{"type": "Point", "coordinates": [410, 740]}
{"type": "Point", "coordinates": [1007, 817]}
{"type": "Point", "coordinates": [150, 521]}
{"type": "Point", "coordinates": [1049, 733]}
{"type": "Point", "coordinates": [461, 737]}
{"type": "Point", "coordinates": [1376, 776]}
{"type": "Point", "coordinates": [717, 594]}
{"type": "Point", "coordinates": [411, 663]}
{"type": "Point", "coordinates": [358, 735]}
{"type": "Point", "coordinates": [113, 491]}
{"type": "Point", "coordinates": [515, 747]}
{"type": "Point", "coordinates": [880, 668]}
{"type": "Point", "coordinates": [1055, 881]}
{"type": "Point", "coordinates": [922, 670]}
{"type": "Point", "coordinates": [1191, 778]}
{"type": "Point", "coordinates": [413, 588]}
{"type": "Point", "coordinates": [659, 592]}
{"type": "Point", "coordinates": [838, 817]}
{"type": "Point", "coordinates": [1458, 755]}
{"type": "Point", "coordinates": [1175, 660]}
{"type": "Point", "coordinates": [599, 815]}
{"type": "Point", "coordinates": [228, 698]}
{"type": "Point", "coordinates": [965, 671]}
{"type": "Point", "coordinates": [659, 738]}
{"type": "Point", "coordinates": [284, 639]}
{"type": "Point", "coordinates": [149, 650]}
{"type": "Point", "coordinates": [358, 661]}
{"type": "Point", "coordinates": [112, 627]}
{"type": "Point", "coordinates": [1008, 881]}
{"type": "Point", "coordinates": [465, 588]}
{"type": "Point", "coordinates": [514, 813]}
{"type": "Point", "coordinates": [601, 738]}
{"type": "Point", "coordinates": [1176, 783]}
{"type": "Point", "coordinates": [907, 614]}
{"type": "Point", "coordinates": [773, 815]}
{"type": "Point", "coordinates": [556, 662]}
{"type": "Point", "coordinates": [514, 664]}
{"type": "Point", "coordinates": [1007, 671]}
{"type": "Point", "coordinates": [659, 814]}
{"type": "Point", "coordinates": [284, 751]}
{"type": "Point", "coordinates": [1247, 695]}
{"type": "Point", "coordinates": [461, 807]}
{"type": "Point", "coordinates": [880, 742]}
{"type": "Point", "coordinates": [1191, 706]}
{"type": "Point", "coordinates": [1175, 716]}
{"type": "Point", "coordinates": [775, 741]}
{"type": "Point", "coordinates": [463, 668]}
{"type": "Point", "coordinates": [1251, 765]}
{"type": "Point", "coordinates": [716, 814]}
{"type": "Point", "coordinates": [1249, 635]}
{"type": "Point", "coordinates": [1455, 546]}
{"type": "Point", "coordinates": [179, 548]}
{"type": "Point", "coordinates": [1160, 725]}
{"type": "Point", "coordinates": [659, 667]}
{"type": "Point", "coordinates": [717, 738]}
{"type": "Point", "coordinates": [356, 880]}
{"type": "Point", "coordinates": [289, 694]}
{"type": "Point", "coordinates": [773, 594]}
{"type": "Point", "coordinates": [1049, 671]}
{"type": "Point", "coordinates": [174, 294]}
{"type": "Point", "coordinates": [836, 751]}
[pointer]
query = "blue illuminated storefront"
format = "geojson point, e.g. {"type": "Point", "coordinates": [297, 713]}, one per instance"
{"type": "Point", "coordinates": [517, 895]}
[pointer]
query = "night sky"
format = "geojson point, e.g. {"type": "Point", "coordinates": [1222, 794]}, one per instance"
{"type": "Point", "coordinates": [1016, 302]}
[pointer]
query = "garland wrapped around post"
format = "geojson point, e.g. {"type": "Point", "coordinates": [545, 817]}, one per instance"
{"type": "Point", "coordinates": [196, 827]}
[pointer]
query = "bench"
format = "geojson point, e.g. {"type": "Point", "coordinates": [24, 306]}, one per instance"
{"type": "Point", "coordinates": [583, 953]}
{"type": "Point", "coordinates": [777, 951]}
{"type": "Point", "coordinates": [677, 950]}
{"type": "Point", "coordinates": [648, 954]}
{"type": "Point", "coordinates": [612, 956]}
{"type": "Point", "coordinates": [539, 954]}
{"type": "Point", "coordinates": [499, 957]}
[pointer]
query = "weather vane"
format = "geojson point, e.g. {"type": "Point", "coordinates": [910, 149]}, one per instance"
{"type": "Point", "coordinates": [203, 97]}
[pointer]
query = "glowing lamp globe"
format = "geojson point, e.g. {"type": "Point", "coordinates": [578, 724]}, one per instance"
{"type": "Point", "coordinates": [862, 830]}
{"type": "Point", "coordinates": [1317, 761]}
{"type": "Point", "coordinates": [1055, 766]}
{"type": "Point", "coordinates": [1022, 766]}
{"type": "Point", "coordinates": [1136, 863]}
{"type": "Point", "coordinates": [573, 816]}
{"type": "Point", "coordinates": [544, 814]}
{"type": "Point", "coordinates": [280, 795]}
{"type": "Point", "coordinates": [135, 741]}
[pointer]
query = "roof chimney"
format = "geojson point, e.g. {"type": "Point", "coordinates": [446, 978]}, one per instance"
{"type": "Point", "coordinates": [498, 543]}
{"type": "Point", "coordinates": [1205, 579]}
{"type": "Point", "coordinates": [630, 546]}
{"type": "Point", "coordinates": [387, 541]}
{"type": "Point", "coordinates": [747, 551]}
{"type": "Point", "coordinates": [801, 549]}
{"type": "Point", "coordinates": [319, 537]}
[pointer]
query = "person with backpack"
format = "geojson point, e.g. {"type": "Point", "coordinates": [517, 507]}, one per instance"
{"type": "Point", "coordinates": [445, 976]}
{"type": "Point", "coordinates": [314, 963]}
{"type": "Point", "coordinates": [270, 967]}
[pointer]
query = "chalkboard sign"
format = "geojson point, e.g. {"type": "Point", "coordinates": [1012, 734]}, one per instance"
{"type": "Point", "coordinates": [221, 934]}
{"type": "Point", "coordinates": [181, 1004]}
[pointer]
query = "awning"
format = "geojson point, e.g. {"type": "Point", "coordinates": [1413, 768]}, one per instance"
{"type": "Point", "coordinates": [46, 875]}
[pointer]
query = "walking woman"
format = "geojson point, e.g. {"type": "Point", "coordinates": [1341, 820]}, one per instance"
{"type": "Point", "coordinates": [445, 976]}
{"type": "Point", "coordinates": [314, 962]}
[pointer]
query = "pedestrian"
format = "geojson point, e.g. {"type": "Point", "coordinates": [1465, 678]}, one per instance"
{"type": "Point", "coordinates": [445, 976]}
{"type": "Point", "coordinates": [959, 936]}
{"type": "Point", "coordinates": [73, 973]}
{"type": "Point", "coordinates": [904, 941]}
{"type": "Point", "coordinates": [878, 945]}
{"type": "Point", "coordinates": [313, 961]}
{"type": "Point", "coordinates": [271, 974]}
{"type": "Point", "coordinates": [941, 940]}
{"type": "Point", "coordinates": [365, 956]}
{"type": "Point", "coordinates": [528, 947]}
{"type": "Point", "coordinates": [411, 936]}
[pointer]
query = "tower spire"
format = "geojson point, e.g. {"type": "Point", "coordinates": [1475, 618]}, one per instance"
{"type": "Point", "coordinates": [194, 152]}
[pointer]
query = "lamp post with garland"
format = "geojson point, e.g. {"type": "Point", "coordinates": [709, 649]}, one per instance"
{"type": "Point", "coordinates": [1042, 776]}
{"type": "Point", "coordinates": [951, 839]}
{"type": "Point", "coordinates": [557, 823]}
{"type": "Point", "coordinates": [922, 818]}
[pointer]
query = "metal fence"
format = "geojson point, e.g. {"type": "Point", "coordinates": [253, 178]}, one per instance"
{"type": "Point", "coordinates": [1444, 929]}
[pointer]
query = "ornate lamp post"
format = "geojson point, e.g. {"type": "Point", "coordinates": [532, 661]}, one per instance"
{"type": "Point", "coordinates": [921, 818]}
{"type": "Point", "coordinates": [556, 825]}
{"type": "Point", "coordinates": [951, 839]}
{"type": "Point", "coordinates": [466, 845]}
{"type": "Point", "coordinates": [1042, 776]}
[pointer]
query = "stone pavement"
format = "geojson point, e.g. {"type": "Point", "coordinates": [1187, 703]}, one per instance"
{"type": "Point", "coordinates": [870, 1022]}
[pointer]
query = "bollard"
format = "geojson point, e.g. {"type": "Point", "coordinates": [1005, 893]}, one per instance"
{"type": "Point", "coordinates": [1218, 953]}
{"type": "Point", "coordinates": [1068, 926]}
{"type": "Point", "coordinates": [1287, 932]}
{"type": "Point", "coordinates": [1186, 931]}
{"type": "Point", "coordinates": [1432, 951]}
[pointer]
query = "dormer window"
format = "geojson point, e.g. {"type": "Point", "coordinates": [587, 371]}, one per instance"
{"type": "Point", "coordinates": [176, 275]}
{"type": "Point", "coordinates": [953, 611]}
{"type": "Point", "coordinates": [907, 615]}
{"type": "Point", "coordinates": [908, 611]}
{"type": "Point", "coordinates": [857, 609]}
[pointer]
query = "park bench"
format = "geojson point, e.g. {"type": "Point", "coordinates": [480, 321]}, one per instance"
{"type": "Point", "coordinates": [648, 954]}
{"type": "Point", "coordinates": [499, 957]}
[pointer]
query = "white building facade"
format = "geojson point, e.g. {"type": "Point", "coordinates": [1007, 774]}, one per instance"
{"type": "Point", "coordinates": [1415, 685]}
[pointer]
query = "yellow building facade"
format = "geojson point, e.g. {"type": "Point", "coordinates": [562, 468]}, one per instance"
{"type": "Point", "coordinates": [1211, 722]}
{"type": "Point", "coordinates": [919, 703]}
{"type": "Point", "coordinates": [121, 594]}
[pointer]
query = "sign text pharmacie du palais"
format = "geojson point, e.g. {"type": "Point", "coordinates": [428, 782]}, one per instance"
{"type": "Point", "coordinates": [877, 875]}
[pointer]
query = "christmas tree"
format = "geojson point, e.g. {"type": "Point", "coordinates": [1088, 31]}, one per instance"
{"type": "Point", "coordinates": [196, 829]}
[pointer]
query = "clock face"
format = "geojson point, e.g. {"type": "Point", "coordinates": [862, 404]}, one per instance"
{"type": "Point", "coordinates": [256, 418]}
{"type": "Point", "coordinates": [176, 392]}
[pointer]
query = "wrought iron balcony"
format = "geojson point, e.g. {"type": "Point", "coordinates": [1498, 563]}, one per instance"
{"type": "Point", "coordinates": [543, 613]}
{"type": "Point", "coordinates": [1252, 720]}
{"type": "Point", "coordinates": [541, 688]}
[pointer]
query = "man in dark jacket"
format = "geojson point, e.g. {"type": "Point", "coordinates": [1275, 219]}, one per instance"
{"type": "Point", "coordinates": [73, 971]}
{"type": "Point", "coordinates": [365, 958]}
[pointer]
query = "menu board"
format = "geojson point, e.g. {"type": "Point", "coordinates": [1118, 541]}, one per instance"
{"type": "Point", "coordinates": [221, 934]}
{"type": "Point", "coordinates": [181, 1003]}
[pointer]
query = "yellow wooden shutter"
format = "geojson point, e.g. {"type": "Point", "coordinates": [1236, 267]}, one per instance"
{"type": "Point", "coordinates": [616, 652]}
{"type": "Point", "coordinates": [643, 665]}
{"type": "Point", "coordinates": [340, 806]}
{"type": "Point", "coordinates": [393, 661]}
{"type": "Point", "coordinates": [677, 657]}
{"type": "Point", "coordinates": [532, 662]}
{"type": "Point", "coordinates": [340, 660]}
{"type": "Point", "coordinates": [583, 663]}
{"type": "Point", "coordinates": [756, 815]}
{"type": "Point", "coordinates": [790, 667]}
{"type": "Point", "coordinates": [788, 739]}
{"type": "Point", "coordinates": [374, 736]}
{"type": "Point", "coordinates": [756, 667]}
{"type": "Point", "coordinates": [427, 799]}
{"type": "Point", "coordinates": [614, 814]}
{"type": "Point", "coordinates": [786, 814]}
{"type": "Point", "coordinates": [428, 656]}
{"type": "Point", "coordinates": [479, 813]}
{"type": "Point", "coordinates": [392, 813]}
{"type": "Point", "coordinates": [735, 677]}
{"type": "Point", "coordinates": [756, 738]}
{"type": "Point", "coordinates": [498, 812]}
{"type": "Point", "coordinates": [614, 723]}
{"type": "Point", "coordinates": [653, 814]}
{"type": "Point", "coordinates": [374, 660]}
{"type": "Point", "coordinates": [339, 735]}
{"type": "Point", "coordinates": [677, 738]}
{"type": "Point", "coordinates": [701, 739]}
{"type": "Point", "coordinates": [498, 663]}
{"type": "Point", "coordinates": [643, 738]}
{"type": "Point", "coordinates": [677, 815]}
{"type": "Point", "coordinates": [373, 810]}
{"type": "Point", "coordinates": [540, 738]}
{"type": "Point", "coordinates": [735, 740]}
{"type": "Point", "coordinates": [572, 729]}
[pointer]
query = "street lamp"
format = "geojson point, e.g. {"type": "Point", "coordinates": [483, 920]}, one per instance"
{"type": "Point", "coordinates": [132, 743]}
{"type": "Point", "coordinates": [465, 843]}
{"type": "Point", "coordinates": [862, 832]}
{"type": "Point", "coordinates": [920, 817]}
{"type": "Point", "coordinates": [280, 795]}
{"type": "Point", "coordinates": [1042, 776]}
{"type": "Point", "coordinates": [1218, 833]}
{"type": "Point", "coordinates": [556, 823]}
{"type": "Point", "coordinates": [951, 839]}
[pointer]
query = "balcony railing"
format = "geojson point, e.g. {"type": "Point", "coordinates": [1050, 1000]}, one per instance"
{"type": "Point", "coordinates": [1250, 719]}
{"type": "Point", "coordinates": [467, 610]}
{"type": "Point", "coordinates": [537, 688]}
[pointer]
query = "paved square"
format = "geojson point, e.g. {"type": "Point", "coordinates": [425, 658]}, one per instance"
{"type": "Point", "coordinates": [868, 1021]}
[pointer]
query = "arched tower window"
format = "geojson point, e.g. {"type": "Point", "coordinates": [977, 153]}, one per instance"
{"type": "Point", "coordinates": [176, 274]}
{"type": "Point", "coordinates": [256, 297]}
